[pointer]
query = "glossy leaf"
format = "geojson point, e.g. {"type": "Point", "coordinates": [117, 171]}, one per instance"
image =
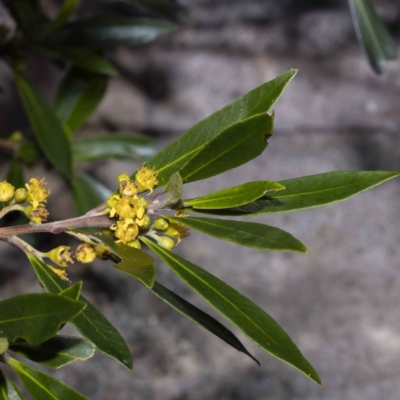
{"type": "Point", "coordinates": [372, 34]}
{"type": "Point", "coordinates": [234, 146]}
{"type": "Point", "coordinates": [312, 191]}
{"type": "Point", "coordinates": [72, 292]}
{"type": "Point", "coordinates": [42, 386]}
{"type": "Point", "coordinates": [87, 60]}
{"type": "Point", "coordinates": [46, 127]}
{"type": "Point", "coordinates": [249, 234]}
{"type": "Point", "coordinates": [103, 33]}
{"type": "Point", "coordinates": [8, 389]}
{"type": "Point", "coordinates": [88, 192]}
{"type": "Point", "coordinates": [239, 310]}
{"type": "Point", "coordinates": [119, 146]}
{"type": "Point", "coordinates": [15, 175]}
{"type": "Point", "coordinates": [259, 100]}
{"type": "Point", "coordinates": [57, 351]}
{"type": "Point", "coordinates": [133, 262]}
{"type": "Point", "coordinates": [36, 317]}
{"type": "Point", "coordinates": [199, 317]}
{"type": "Point", "coordinates": [66, 10]}
{"type": "Point", "coordinates": [90, 323]}
{"type": "Point", "coordinates": [234, 196]}
{"type": "Point", "coordinates": [78, 96]}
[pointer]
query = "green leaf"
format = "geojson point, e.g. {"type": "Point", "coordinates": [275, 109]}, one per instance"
{"type": "Point", "coordinates": [134, 262]}
{"type": "Point", "coordinates": [259, 100]}
{"type": "Point", "coordinates": [78, 96]}
{"type": "Point", "coordinates": [57, 351]}
{"type": "Point", "coordinates": [234, 196]}
{"type": "Point", "coordinates": [174, 191]}
{"type": "Point", "coordinates": [119, 146]}
{"type": "Point", "coordinates": [46, 127]}
{"type": "Point", "coordinates": [72, 292]}
{"type": "Point", "coordinates": [88, 192]}
{"type": "Point", "coordinates": [199, 317]}
{"type": "Point", "coordinates": [249, 234]}
{"type": "Point", "coordinates": [36, 317]}
{"type": "Point", "coordinates": [27, 13]}
{"type": "Point", "coordinates": [66, 10]}
{"type": "Point", "coordinates": [15, 175]}
{"type": "Point", "coordinates": [90, 323]}
{"type": "Point", "coordinates": [8, 389]}
{"type": "Point", "coordinates": [372, 34]}
{"type": "Point", "coordinates": [4, 344]}
{"type": "Point", "coordinates": [239, 310]}
{"type": "Point", "coordinates": [104, 33]}
{"type": "Point", "coordinates": [87, 60]}
{"type": "Point", "coordinates": [234, 146]}
{"type": "Point", "coordinates": [42, 386]}
{"type": "Point", "coordinates": [312, 191]}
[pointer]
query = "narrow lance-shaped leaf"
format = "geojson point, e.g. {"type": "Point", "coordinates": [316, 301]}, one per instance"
{"type": "Point", "coordinates": [8, 389]}
{"type": "Point", "coordinates": [46, 127]}
{"type": "Point", "coordinates": [104, 33]}
{"type": "Point", "coordinates": [199, 317]}
{"type": "Point", "coordinates": [311, 191]}
{"type": "Point", "coordinates": [117, 145]}
{"type": "Point", "coordinates": [90, 323]}
{"type": "Point", "coordinates": [234, 146]}
{"type": "Point", "coordinates": [57, 351]}
{"type": "Point", "coordinates": [72, 292]}
{"type": "Point", "coordinates": [249, 234]}
{"type": "Point", "coordinates": [242, 312]}
{"type": "Point", "coordinates": [259, 100]}
{"type": "Point", "coordinates": [66, 10]}
{"type": "Point", "coordinates": [88, 192]}
{"type": "Point", "coordinates": [77, 97]}
{"type": "Point", "coordinates": [36, 317]}
{"type": "Point", "coordinates": [372, 34]}
{"type": "Point", "coordinates": [234, 196]}
{"type": "Point", "coordinates": [42, 386]}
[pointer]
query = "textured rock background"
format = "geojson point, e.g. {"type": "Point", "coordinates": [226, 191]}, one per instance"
{"type": "Point", "coordinates": [340, 302]}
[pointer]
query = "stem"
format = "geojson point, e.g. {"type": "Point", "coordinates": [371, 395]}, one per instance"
{"type": "Point", "coordinates": [14, 207]}
{"type": "Point", "coordinates": [24, 246]}
{"type": "Point", "coordinates": [98, 221]}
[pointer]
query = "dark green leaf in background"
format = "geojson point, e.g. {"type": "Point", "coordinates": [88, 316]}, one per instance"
{"type": "Point", "coordinates": [239, 310]}
{"type": "Point", "coordinates": [46, 127]}
{"type": "Point", "coordinates": [249, 234]}
{"type": "Point", "coordinates": [372, 34]}
{"type": "Point", "coordinates": [259, 100]}
{"type": "Point", "coordinates": [36, 317]}
{"type": "Point", "coordinates": [78, 96]}
{"type": "Point", "coordinates": [199, 317]}
{"type": "Point", "coordinates": [310, 192]}
{"type": "Point", "coordinates": [116, 145]}
{"type": "Point", "coordinates": [15, 175]}
{"type": "Point", "coordinates": [42, 386]}
{"type": "Point", "coordinates": [234, 196]}
{"type": "Point", "coordinates": [57, 351]}
{"type": "Point", "coordinates": [8, 390]}
{"type": "Point", "coordinates": [104, 33]}
{"type": "Point", "coordinates": [88, 192]}
{"type": "Point", "coordinates": [234, 146]}
{"type": "Point", "coordinates": [90, 323]}
{"type": "Point", "coordinates": [66, 10]}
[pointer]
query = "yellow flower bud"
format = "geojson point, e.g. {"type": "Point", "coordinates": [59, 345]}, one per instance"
{"type": "Point", "coordinates": [128, 188]}
{"type": "Point", "coordinates": [126, 231]}
{"type": "Point", "coordinates": [146, 221]}
{"type": "Point", "coordinates": [161, 224]}
{"type": "Point", "coordinates": [112, 201]}
{"type": "Point", "coordinates": [142, 202]}
{"type": "Point", "coordinates": [37, 193]}
{"type": "Point", "coordinates": [123, 177]}
{"type": "Point", "coordinates": [20, 195]}
{"type": "Point", "coordinates": [102, 252]}
{"type": "Point", "coordinates": [135, 243]}
{"type": "Point", "coordinates": [6, 191]}
{"type": "Point", "coordinates": [166, 242]}
{"type": "Point", "coordinates": [126, 207]}
{"type": "Point", "coordinates": [85, 253]}
{"type": "Point", "coordinates": [61, 256]}
{"type": "Point", "coordinates": [146, 179]}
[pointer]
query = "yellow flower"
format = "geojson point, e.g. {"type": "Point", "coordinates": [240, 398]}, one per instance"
{"type": "Point", "coordinates": [60, 272]}
{"type": "Point", "coordinates": [128, 188]}
{"type": "Point", "coordinates": [6, 191]}
{"type": "Point", "coordinates": [126, 231]}
{"type": "Point", "coordinates": [146, 179]}
{"type": "Point", "coordinates": [126, 207]}
{"type": "Point", "coordinates": [85, 253]}
{"type": "Point", "coordinates": [37, 193]}
{"type": "Point", "coordinates": [61, 256]}
{"type": "Point", "coordinates": [39, 215]}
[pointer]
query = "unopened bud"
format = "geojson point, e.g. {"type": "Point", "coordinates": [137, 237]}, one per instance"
{"type": "Point", "coordinates": [161, 224]}
{"type": "Point", "coordinates": [85, 253]}
{"type": "Point", "coordinates": [6, 191]}
{"type": "Point", "coordinates": [166, 242]}
{"type": "Point", "coordinates": [20, 195]}
{"type": "Point", "coordinates": [135, 243]}
{"type": "Point", "coordinates": [122, 178]}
